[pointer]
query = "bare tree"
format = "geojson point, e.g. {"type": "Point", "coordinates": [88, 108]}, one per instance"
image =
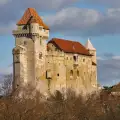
{"type": "Point", "coordinates": [7, 85]}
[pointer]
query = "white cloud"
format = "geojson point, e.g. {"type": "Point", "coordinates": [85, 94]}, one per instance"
{"type": "Point", "coordinates": [48, 4]}
{"type": "Point", "coordinates": [105, 3]}
{"type": "Point", "coordinates": [7, 29]}
{"type": "Point", "coordinates": [116, 57]}
{"type": "Point", "coordinates": [71, 21]}
{"type": "Point", "coordinates": [100, 58]}
{"type": "Point", "coordinates": [85, 22]}
{"type": "Point", "coordinates": [11, 9]}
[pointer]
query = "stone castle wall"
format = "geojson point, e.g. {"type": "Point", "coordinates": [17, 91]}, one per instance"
{"type": "Point", "coordinates": [36, 62]}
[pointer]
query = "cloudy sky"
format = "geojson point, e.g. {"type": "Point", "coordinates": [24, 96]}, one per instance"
{"type": "Point", "coordinates": [70, 19]}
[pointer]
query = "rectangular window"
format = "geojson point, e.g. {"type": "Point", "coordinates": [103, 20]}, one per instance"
{"type": "Point", "coordinates": [40, 40]}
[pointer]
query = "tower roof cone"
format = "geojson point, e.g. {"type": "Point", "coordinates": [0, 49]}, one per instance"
{"type": "Point", "coordinates": [89, 45]}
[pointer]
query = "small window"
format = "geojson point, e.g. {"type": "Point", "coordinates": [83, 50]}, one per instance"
{"type": "Point", "coordinates": [75, 58]}
{"type": "Point", "coordinates": [40, 55]}
{"type": "Point", "coordinates": [17, 57]}
{"type": "Point", "coordinates": [40, 41]}
{"type": "Point", "coordinates": [58, 74]}
{"type": "Point", "coordinates": [25, 42]}
{"type": "Point", "coordinates": [77, 73]}
{"type": "Point", "coordinates": [55, 49]}
{"type": "Point", "coordinates": [71, 73]}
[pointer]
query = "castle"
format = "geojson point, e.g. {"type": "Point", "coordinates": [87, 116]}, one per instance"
{"type": "Point", "coordinates": [58, 64]}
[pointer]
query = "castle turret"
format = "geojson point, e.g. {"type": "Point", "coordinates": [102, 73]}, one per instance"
{"type": "Point", "coordinates": [93, 70]}
{"type": "Point", "coordinates": [31, 34]}
{"type": "Point", "coordinates": [91, 50]}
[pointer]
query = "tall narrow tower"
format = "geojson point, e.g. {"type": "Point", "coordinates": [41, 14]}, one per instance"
{"type": "Point", "coordinates": [91, 50]}
{"type": "Point", "coordinates": [93, 70]}
{"type": "Point", "coordinates": [30, 49]}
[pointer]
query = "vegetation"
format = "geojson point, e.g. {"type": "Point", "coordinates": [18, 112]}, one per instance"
{"type": "Point", "coordinates": [58, 106]}
{"type": "Point", "coordinates": [32, 105]}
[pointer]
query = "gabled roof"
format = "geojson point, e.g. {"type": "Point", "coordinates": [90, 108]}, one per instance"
{"type": "Point", "coordinates": [69, 46]}
{"type": "Point", "coordinates": [89, 45]}
{"type": "Point", "coordinates": [32, 15]}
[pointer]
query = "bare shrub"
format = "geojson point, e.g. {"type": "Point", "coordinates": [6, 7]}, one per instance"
{"type": "Point", "coordinates": [103, 106]}
{"type": "Point", "coordinates": [6, 87]}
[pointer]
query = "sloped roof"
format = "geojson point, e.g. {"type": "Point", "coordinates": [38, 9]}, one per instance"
{"type": "Point", "coordinates": [69, 46]}
{"type": "Point", "coordinates": [93, 63]}
{"type": "Point", "coordinates": [89, 45]}
{"type": "Point", "coordinates": [32, 15]}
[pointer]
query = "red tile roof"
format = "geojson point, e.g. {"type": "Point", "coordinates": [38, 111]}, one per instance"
{"type": "Point", "coordinates": [69, 46]}
{"type": "Point", "coordinates": [31, 12]}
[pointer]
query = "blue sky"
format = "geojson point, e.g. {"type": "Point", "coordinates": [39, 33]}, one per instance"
{"type": "Point", "coordinates": [70, 19]}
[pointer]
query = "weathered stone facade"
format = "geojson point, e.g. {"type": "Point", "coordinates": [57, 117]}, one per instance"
{"type": "Point", "coordinates": [53, 68]}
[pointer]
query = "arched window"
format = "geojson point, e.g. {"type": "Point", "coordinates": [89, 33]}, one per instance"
{"type": "Point", "coordinates": [71, 73]}
{"type": "Point", "coordinates": [74, 57]}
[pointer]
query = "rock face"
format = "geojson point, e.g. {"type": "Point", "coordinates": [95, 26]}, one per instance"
{"type": "Point", "coordinates": [56, 65]}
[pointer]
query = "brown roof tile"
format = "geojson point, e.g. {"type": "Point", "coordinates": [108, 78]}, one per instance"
{"type": "Point", "coordinates": [31, 12]}
{"type": "Point", "coordinates": [69, 46]}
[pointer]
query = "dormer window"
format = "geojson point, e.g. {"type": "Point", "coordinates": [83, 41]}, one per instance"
{"type": "Point", "coordinates": [25, 27]}
{"type": "Point", "coordinates": [55, 49]}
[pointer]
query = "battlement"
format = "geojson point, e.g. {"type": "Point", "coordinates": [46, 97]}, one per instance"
{"type": "Point", "coordinates": [33, 29]}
